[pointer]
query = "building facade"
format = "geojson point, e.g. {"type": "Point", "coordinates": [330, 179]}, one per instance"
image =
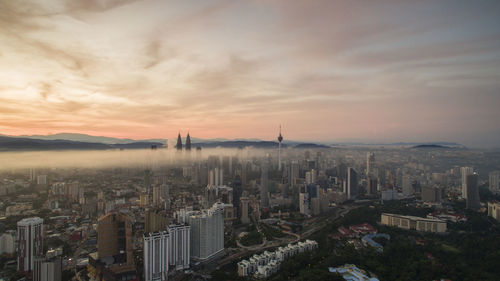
{"type": "Point", "coordinates": [29, 242]}
{"type": "Point", "coordinates": [414, 223]}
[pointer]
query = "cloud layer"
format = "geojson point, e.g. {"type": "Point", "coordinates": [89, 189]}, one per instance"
{"type": "Point", "coordinates": [325, 70]}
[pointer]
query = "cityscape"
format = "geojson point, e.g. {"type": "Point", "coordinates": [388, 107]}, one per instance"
{"type": "Point", "coordinates": [249, 140]}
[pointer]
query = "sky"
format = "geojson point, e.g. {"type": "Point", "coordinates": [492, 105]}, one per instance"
{"type": "Point", "coordinates": [370, 71]}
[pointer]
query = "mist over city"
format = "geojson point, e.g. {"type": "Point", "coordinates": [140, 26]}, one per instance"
{"type": "Point", "coordinates": [155, 140]}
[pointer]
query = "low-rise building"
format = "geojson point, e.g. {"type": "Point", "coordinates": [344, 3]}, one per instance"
{"type": "Point", "coordinates": [265, 264]}
{"type": "Point", "coordinates": [494, 210]}
{"type": "Point", "coordinates": [414, 223]}
{"type": "Point", "coordinates": [351, 272]}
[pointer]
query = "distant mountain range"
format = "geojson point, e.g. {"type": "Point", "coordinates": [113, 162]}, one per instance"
{"type": "Point", "coordinates": [27, 144]}
{"type": "Point", "coordinates": [68, 141]}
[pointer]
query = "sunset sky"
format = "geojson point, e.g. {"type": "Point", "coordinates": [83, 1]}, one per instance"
{"type": "Point", "coordinates": [374, 71]}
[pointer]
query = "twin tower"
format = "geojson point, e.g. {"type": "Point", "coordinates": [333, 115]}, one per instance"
{"type": "Point", "coordinates": [178, 146]}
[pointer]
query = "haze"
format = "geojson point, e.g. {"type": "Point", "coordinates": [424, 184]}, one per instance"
{"type": "Point", "coordinates": [326, 70]}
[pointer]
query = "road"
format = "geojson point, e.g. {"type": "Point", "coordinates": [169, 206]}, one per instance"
{"type": "Point", "coordinates": [316, 226]}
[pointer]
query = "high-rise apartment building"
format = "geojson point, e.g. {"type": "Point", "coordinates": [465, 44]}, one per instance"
{"type": "Point", "coordinates": [472, 192]}
{"type": "Point", "coordinates": [351, 184]}
{"type": "Point", "coordinates": [207, 232]}
{"type": "Point", "coordinates": [494, 182]}
{"type": "Point", "coordinates": [156, 256]}
{"type": "Point", "coordinates": [264, 189]}
{"type": "Point", "coordinates": [407, 185]}
{"type": "Point", "coordinates": [47, 269]}
{"type": "Point", "coordinates": [465, 171]}
{"type": "Point", "coordinates": [29, 242]}
{"type": "Point", "coordinates": [370, 162]}
{"type": "Point", "coordinates": [179, 246]}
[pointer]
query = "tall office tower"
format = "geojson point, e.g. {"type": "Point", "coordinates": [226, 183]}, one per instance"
{"type": "Point", "coordinates": [465, 171]}
{"type": "Point", "coordinates": [372, 186]}
{"type": "Point", "coordinates": [294, 173]}
{"type": "Point", "coordinates": [370, 163]}
{"type": "Point", "coordinates": [114, 238]}
{"type": "Point", "coordinates": [155, 221]}
{"type": "Point", "coordinates": [431, 194]}
{"type": "Point", "coordinates": [264, 193]}
{"type": "Point", "coordinates": [147, 181]}
{"type": "Point", "coordinates": [244, 210]}
{"type": "Point", "coordinates": [207, 232]}
{"type": "Point", "coordinates": [495, 181]}
{"type": "Point", "coordinates": [157, 199]}
{"type": "Point", "coordinates": [311, 176]}
{"type": "Point", "coordinates": [29, 242]}
{"type": "Point", "coordinates": [304, 204]}
{"type": "Point", "coordinates": [47, 269]}
{"type": "Point", "coordinates": [216, 177]}
{"type": "Point", "coordinates": [188, 142]}
{"type": "Point", "coordinates": [178, 146]}
{"type": "Point", "coordinates": [178, 246]}
{"type": "Point", "coordinates": [407, 185]}
{"type": "Point", "coordinates": [7, 245]}
{"type": "Point", "coordinates": [156, 256]}
{"type": "Point", "coordinates": [280, 139]}
{"type": "Point", "coordinates": [352, 184]}
{"type": "Point", "coordinates": [237, 191]}
{"type": "Point", "coordinates": [472, 191]}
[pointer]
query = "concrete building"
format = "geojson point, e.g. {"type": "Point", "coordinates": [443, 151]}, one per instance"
{"type": "Point", "coordinates": [407, 185]}
{"type": "Point", "coordinates": [113, 259]}
{"type": "Point", "coordinates": [244, 210]}
{"type": "Point", "coordinates": [414, 223]}
{"type": "Point", "coordinates": [207, 232]}
{"type": "Point", "coordinates": [29, 242]}
{"type": "Point", "coordinates": [352, 273]}
{"type": "Point", "coordinates": [351, 189]}
{"type": "Point", "coordinates": [264, 188]}
{"type": "Point", "coordinates": [267, 263]}
{"type": "Point", "coordinates": [216, 177]}
{"type": "Point", "coordinates": [155, 221]}
{"type": "Point", "coordinates": [47, 269]}
{"type": "Point", "coordinates": [7, 245]}
{"type": "Point", "coordinates": [370, 164]}
{"type": "Point", "coordinates": [472, 191]}
{"type": "Point", "coordinates": [179, 246]}
{"type": "Point", "coordinates": [156, 256]}
{"type": "Point", "coordinates": [494, 183]}
{"type": "Point", "coordinates": [465, 171]}
{"type": "Point", "coordinates": [494, 210]}
{"type": "Point", "coordinates": [431, 194]}
{"type": "Point", "coordinates": [304, 204]}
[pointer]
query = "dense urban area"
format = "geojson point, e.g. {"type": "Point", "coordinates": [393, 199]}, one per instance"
{"type": "Point", "coordinates": [307, 212]}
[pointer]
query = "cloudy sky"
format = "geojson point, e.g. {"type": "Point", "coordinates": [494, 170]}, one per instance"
{"type": "Point", "coordinates": [326, 70]}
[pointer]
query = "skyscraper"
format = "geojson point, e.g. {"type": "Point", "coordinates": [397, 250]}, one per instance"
{"type": "Point", "coordinates": [465, 171]}
{"type": "Point", "coordinates": [47, 269]}
{"type": "Point", "coordinates": [237, 192]}
{"type": "Point", "coordinates": [472, 191]}
{"type": "Point", "coordinates": [264, 193]}
{"type": "Point", "coordinates": [494, 181]}
{"type": "Point", "coordinates": [178, 146]}
{"type": "Point", "coordinates": [30, 242]}
{"type": "Point", "coordinates": [207, 232]}
{"type": "Point", "coordinates": [188, 142]}
{"type": "Point", "coordinates": [280, 139]}
{"type": "Point", "coordinates": [352, 184]}
{"type": "Point", "coordinates": [156, 256]}
{"type": "Point", "coordinates": [165, 248]}
{"type": "Point", "coordinates": [179, 246]}
{"type": "Point", "coordinates": [370, 161]}
{"type": "Point", "coordinates": [114, 238]}
{"type": "Point", "coordinates": [407, 185]}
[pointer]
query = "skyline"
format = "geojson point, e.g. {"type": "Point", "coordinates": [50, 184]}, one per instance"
{"type": "Point", "coordinates": [328, 71]}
